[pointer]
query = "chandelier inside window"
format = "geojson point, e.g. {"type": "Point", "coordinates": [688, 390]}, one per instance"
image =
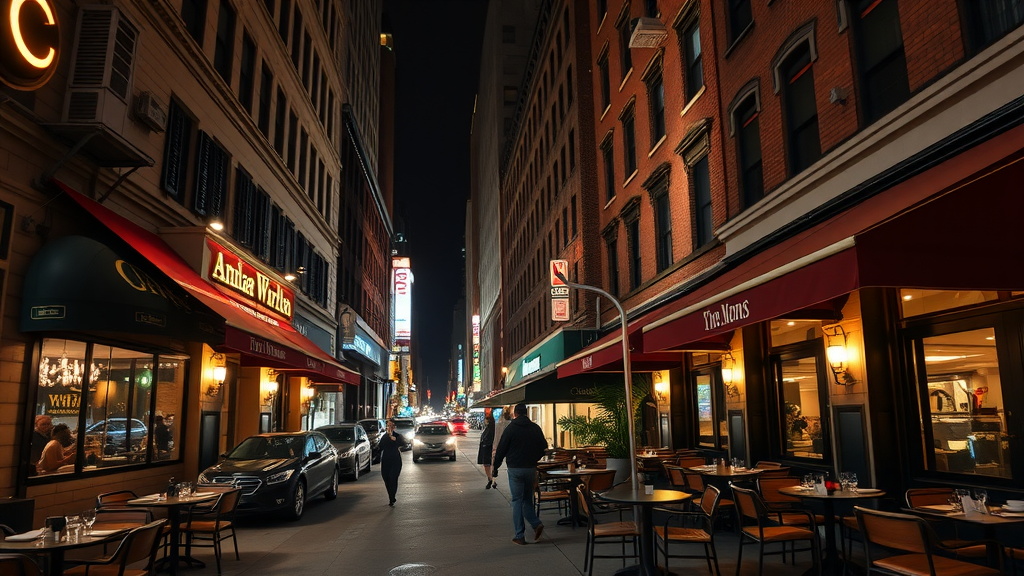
{"type": "Point", "coordinates": [65, 372]}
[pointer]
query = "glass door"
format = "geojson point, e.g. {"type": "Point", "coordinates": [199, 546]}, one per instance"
{"type": "Point", "coordinates": [802, 385]}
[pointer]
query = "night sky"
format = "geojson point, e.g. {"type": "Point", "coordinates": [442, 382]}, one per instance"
{"type": "Point", "coordinates": [437, 53]}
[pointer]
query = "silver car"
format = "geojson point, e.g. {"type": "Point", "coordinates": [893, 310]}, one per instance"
{"type": "Point", "coordinates": [433, 439]}
{"type": "Point", "coordinates": [353, 446]}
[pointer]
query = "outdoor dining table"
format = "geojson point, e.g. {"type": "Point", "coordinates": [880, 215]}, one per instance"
{"type": "Point", "coordinates": [831, 563]}
{"type": "Point", "coordinates": [990, 523]}
{"type": "Point", "coordinates": [174, 506]}
{"type": "Point", "coordinates": [55, 550]}
{"type": "Point", "coordinates": [576, 478]}
{"type": "Point", "coordinates": [644, 502]}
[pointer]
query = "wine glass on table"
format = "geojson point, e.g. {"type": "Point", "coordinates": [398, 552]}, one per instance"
{"type": "Point", "coordinates": [89, 518]}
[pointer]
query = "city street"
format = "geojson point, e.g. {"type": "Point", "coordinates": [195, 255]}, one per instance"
{"type": "Point", "coordinates": [444, 519]}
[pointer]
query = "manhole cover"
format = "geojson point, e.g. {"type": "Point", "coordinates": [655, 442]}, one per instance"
{"type": "Point", "coordinates": [412, 570]}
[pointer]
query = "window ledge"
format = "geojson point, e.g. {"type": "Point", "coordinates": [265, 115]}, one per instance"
{"type": "Point", "coordinates": [625, 79]}
{"type": "Point", "coordinates": [630, 178]}
{"type": "Point", "coordinates": [605, 112]}
{"type": "Point", "coordinates": [609, 202]}
{"type": "Point", "coordinates": [657, 145]}
{"type": "Point", "coordinates": [736, 42]}
{"type": "Point", "coordinates": [693, 100]}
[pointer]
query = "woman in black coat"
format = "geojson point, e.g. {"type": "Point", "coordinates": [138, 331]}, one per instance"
{"type": "Point", "coordinates": [391, 459]}
{"type": "Point", "coordinates": [486, 444]}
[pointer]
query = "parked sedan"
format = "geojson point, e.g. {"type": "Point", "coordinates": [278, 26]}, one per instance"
{"type": "Point", "coordinates": [375, 430]}
{"type": "Point", "coordinates": [433, 440]}
{"type": "Point", "coordinates": [407, 428]}
{"type": "Point", "coordinates": [278, 471]}
{"type": "Point", "coordinates": [354, 451]}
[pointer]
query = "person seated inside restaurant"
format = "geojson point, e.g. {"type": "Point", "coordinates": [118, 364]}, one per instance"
{"type": "Point", "coordinates": [59, 451]}
{"type": "Point", "coordinates": [41, 433]}
{"type": "Point", "coordinates": [162, 435]}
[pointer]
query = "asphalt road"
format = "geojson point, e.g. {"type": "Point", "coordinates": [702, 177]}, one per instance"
{"type": "Point", "coordinates": [444, 523]}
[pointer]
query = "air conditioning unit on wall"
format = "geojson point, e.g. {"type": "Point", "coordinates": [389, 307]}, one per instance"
{"type": "Point", "coordinates": [150, 112]}
{"type": "Point", "coordinates": [102, 66]}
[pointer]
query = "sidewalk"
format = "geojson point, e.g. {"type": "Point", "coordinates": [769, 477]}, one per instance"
{"type": "Point", "coordinates": [445, 521]}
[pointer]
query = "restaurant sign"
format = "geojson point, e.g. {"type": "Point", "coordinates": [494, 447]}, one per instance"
{"type": "Point", "coordinates": [725, 314]}
{"type": "Point", "coordinates": [30, 37]}
{"type": "Point", "coordinates": [230, 270]}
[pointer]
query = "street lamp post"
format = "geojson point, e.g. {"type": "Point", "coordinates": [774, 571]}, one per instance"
{"type": "Point", "coordinates": [625, 369]}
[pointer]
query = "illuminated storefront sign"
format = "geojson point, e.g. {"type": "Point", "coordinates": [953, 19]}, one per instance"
{"type": "Point", "coordinates": [531, 366]}
{"type": "Point", "coordinates": [476, 353]}
{"type": "Point", "coordinates": [228, 269]}
{"type": "Point", "coordinates": [30, 37]}
{"type": "Point", "coordinates": [403, 299]}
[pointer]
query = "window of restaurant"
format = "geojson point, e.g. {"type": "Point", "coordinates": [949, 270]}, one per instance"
{"type": "Point", "coordinates": [709, 400]}
{"type": "Point", "coordinates": [801, 381]}
{"type": "Point", "coordinates": [960, 364]}
{"type": "Point", "coordinates": [125, 414]}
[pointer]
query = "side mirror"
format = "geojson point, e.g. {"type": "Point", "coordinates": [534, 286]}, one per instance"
{"type": "Point", "coordinates": [314, 455]}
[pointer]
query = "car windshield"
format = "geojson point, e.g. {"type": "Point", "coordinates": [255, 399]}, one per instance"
{"type": "Point", "coordinates": [339, 434]}
{"type": "Point", "coordinates": [257, 447]}
{"type": "Point", "coordinates": [433, 430]}
{"type": "Point", "coordinates": [403, 423]}
{"type": "Point", "coordinates": [370, 426]}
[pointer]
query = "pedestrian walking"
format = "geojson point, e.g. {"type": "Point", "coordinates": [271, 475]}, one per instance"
{"type": "Point", "coordinates": [522, 444]}
{"type": "Point", "coordinates": [499, 427]}
{"type": "Point", "coordinates": [486, 450]}
{"type": "Point", "coordinates": [391, 459]}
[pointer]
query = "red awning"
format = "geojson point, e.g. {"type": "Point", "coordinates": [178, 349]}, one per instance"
{"type": "Point", "coordinates": [967, 238]}
{"type": "Point", "coordinates": [260, 338]}
{"type": "Point", "coordinates": [605, 355]}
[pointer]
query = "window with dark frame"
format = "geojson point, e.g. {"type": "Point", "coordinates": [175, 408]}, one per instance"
{"type": "Point", "coordinates": [297, 39]}
{"type": "Point", "coordinates": [633, 243]}
{"type": "Point", "coordinates": [247, 72]}
{"type": "Point", "coordinates": [568, 86]}
{"type": "Point", "coordinates": [606, 90]}
{"type": "Point", "coordinates": [266, 91]}
{"type": "Point", "coordinates": [282, 23]}
{"type": "Point", "coordinates": [740, 16]}
{"type": "Point", "coordinates": [625, 56]}
{"type": "Point", "coordinates": [704, 229]}
{"type": "Point", "coordinates": [565, 227]}
{"type": "Point", "coordinates": [211, 183]}
{"type": "Point", "coordinates": [694, 81]}
{"type": "Point", "coordinates": [602, 9]}
{"type": "Point", "coordinates": [656, 105]}
{"type": "Point", "coordinates": [193, 14]}
{"type": "Point", "coordinates": [572, 212]}
{"type": "Point", "coordinates": [629, 140]}
{"type": "Point", "coordinates": [748, 147]}
{"type": "Point", "coordinates": [651, 9]}
{"type": "Point", "coordinates": [802, 387]}
{"type": "Point", "coordinates": [280, 122]}
{"type": "Point", "coordinates": [663, 226]}
{"type": "Point", "coordinates": [224, 47]}
{"type": "Point", "coordinates": [612, 246]}
{"type": "Point", "coordinates": [990, 20]}
{"type": "Point", "coordinates": [303, 158]}
{"type": "Point", "coordinates": [610, 186]}
{"type": "Point", "coordinates": [881, 60]}
{"type": "Point", "coordinates": [293, 138]}
{"type": "Point", "coordinates": [177, 137]}
{"type": "Point", "coordinates": [572, 150]}
{"type": "Point", "coordinates": [801, 119]}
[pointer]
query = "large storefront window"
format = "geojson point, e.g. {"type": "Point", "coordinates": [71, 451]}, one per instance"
{"type": "Point", "coordinates": [803, 392]}
{"type": "Point", "coordinates": [964, 425]}
{"type": "Point", "coordinates": [712, 427]}
{"type": "Point", "coordinates": [124, 415]}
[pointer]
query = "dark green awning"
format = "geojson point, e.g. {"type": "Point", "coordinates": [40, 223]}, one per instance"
{"type": "Point", "coordinates": [550, 389]}
{"type": "Point", "coordinates": [78, 284]}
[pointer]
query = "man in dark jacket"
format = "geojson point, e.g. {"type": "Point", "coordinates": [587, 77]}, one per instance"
{"type": "Point", "coordinates": [522, 444]}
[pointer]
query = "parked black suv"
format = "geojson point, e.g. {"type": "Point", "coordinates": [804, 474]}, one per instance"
{"type": "Point", "coordinates": [375, 430]}
{"type": "Point", "coordinates": [278, 471]}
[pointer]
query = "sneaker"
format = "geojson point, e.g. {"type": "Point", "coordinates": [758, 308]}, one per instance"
{"type": "Point", "coordinates": [488, 487]}
{"type": "Point", "coordinates": [520, 541]}
{"type": "Point", "coordinates": [537, 532]}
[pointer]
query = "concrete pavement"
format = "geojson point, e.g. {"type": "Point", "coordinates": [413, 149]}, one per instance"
{"type": "Point", "coordinates": [444, 523]}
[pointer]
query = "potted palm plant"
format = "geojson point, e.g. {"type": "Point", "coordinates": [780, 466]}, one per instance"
{"type": "Point", "coordinates": [609, 426]}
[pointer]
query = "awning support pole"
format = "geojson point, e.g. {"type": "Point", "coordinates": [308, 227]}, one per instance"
{"type": "Point", "coordinates": [626, 369]}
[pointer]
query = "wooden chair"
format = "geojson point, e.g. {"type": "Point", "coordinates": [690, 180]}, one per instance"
{"type": "Point", "coordinates": [750, 506]}
{"type": "Point", "coordinates": [213, 531]}
{"type": "Point", "coordinates": [917, 497]}
{"type": "Point", "coordinates": [138, 545]}
{"type": "Point", "coordinates": [550, 494]}
{"type": "Point", "coordinates": [781, 472]}
{"type": "Point", "coordinates": [766, 464]}
{"type": "Point", "coordinates": [599, 482]}
{"type": "Point", "coordinates": [690, 462]}
{"type": "Point", "coordinates": [116, 499]}
{"type": "Point", "coordinates": [914, 542]}
{"type": "Point", "coordinates": [119, 518]}
{"type": "Point", "coordinates": [18, 565]}
{"type": "Point", "coordinates": [782, 506]}
{"type": "Point", "coordinates": [704, 534]}
{"type": "Point", "coordinates": [605, 532]}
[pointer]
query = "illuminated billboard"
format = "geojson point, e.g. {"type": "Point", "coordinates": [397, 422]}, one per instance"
{"type": "Point", "coordinates": [402, 286]}
{"type": "Point", "coordinates": [476, 352]}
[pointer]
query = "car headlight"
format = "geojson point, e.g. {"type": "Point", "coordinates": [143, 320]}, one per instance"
{"type": "Point", "coordinates": [450, 441]}
{"type": "Point", "coordinates": [408, 435]}
{"type": "Point", "coordinates": [279, 477]}
{"type": "Point", "coordinates": [417, 442]}
{"type": "Point", "coordinates": [203, 479]}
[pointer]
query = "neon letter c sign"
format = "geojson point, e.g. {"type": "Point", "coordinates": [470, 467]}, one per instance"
{"type": "Point", "coordinates": [19, 40]}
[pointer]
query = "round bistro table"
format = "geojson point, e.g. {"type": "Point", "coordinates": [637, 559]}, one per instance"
{"type": "Point", "coordinates": [625, 494]}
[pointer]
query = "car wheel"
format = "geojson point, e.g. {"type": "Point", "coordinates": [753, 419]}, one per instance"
{"type": "Point", "coordinates": [452, 458]}
{"type": "Point", "coordinates": [415, 459]}
{"type": "Point", "coordinates": [369, 464]}
{"type": "Point", "coordinates": [355, 468]}
{"type": "Point", "coordinates": [332, 490]}
{"type": "Point", "coordinates": [298, 503]}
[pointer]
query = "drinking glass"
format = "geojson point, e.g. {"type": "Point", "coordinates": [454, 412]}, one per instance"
{"type": "Point", "coordinates": [89, 518]}
{"type": "Point", "coordinates": [72, 525]}
{"type": "Point", "coordinates": [808, 481]}
{"type": "Point", "coordinates": [981, 496]}
{"type": "Point", "coordinates": [44, 534]}
{"type": "Point", "coordinates": [852, 481]}
{"type": "Point", "coordinates": [186, 490]}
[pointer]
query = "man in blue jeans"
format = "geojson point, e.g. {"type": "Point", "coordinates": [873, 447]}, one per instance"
{"type": "Point", "coordinates": [522, 444]}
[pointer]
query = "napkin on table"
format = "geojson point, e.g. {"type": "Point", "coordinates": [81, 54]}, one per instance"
{"type": "Point", "coordinates": [25, 537]}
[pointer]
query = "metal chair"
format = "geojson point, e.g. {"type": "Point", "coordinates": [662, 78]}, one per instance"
{"type": "Point", "coordinates": [766, 464]}
{"type": "Point", "coordinates": [118, 518]}
{"type": "Point", "coordinates": [138, 545]}
{"type": "Point", "coordinates": [599, 482]}
{"type": "Point", "coordinates": [914, 542]}
{"type": "Point", "coordinates": [668, 534]}
{"type": "Point", "coordinates": [750, 506]}
{"type": "Point", "coordinates": [116, 499]}
{"type": "Point", "coordinates": [781, 506]}
{"type": "Point", "coordinates": [214, 531]}
{"type": "Point", "coordinates": [18, 565]}
{"type": "Point", "coordinates": [917, 497]}
{"type": "Point", "coordinates": [607, 532]}
{"type": "Point", "coordinates": [550, 494]}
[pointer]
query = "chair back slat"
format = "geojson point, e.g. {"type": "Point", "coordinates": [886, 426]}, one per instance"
{"type": "Point", "coordinates": [600, 482]}
{"type": "Point", "coordinates": [781, 472]}
{"type": "Point", "coordinates": [694, 481]}
{"type": "Point", "coordinates": [709, 501]}
{"type": "Point", "coordinates": [748, 503]}
{"type": "Point", "coordinates": [766, 464]}
{"type": "Point", "coordinates": [690, 462]}
{"type": "Point", "coordinates": [890, 530]}
{"type": "Point", "coordinates": [122, 517]}
{"type": "Point", "coordinates": [115, 499]}
{"type": "Point", "coordinates": [769, 489]}
{"type": "Point", "coordinates": [676, 476]}
{"type": "Point", "coordinates": [917, 497]}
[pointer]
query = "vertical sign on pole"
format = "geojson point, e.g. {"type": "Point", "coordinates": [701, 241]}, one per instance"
{"type": "Point", "coordinates": [559, 291]}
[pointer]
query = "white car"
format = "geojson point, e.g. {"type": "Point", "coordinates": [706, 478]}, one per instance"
{"type": "Point", "coordinates": [433, 440]}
